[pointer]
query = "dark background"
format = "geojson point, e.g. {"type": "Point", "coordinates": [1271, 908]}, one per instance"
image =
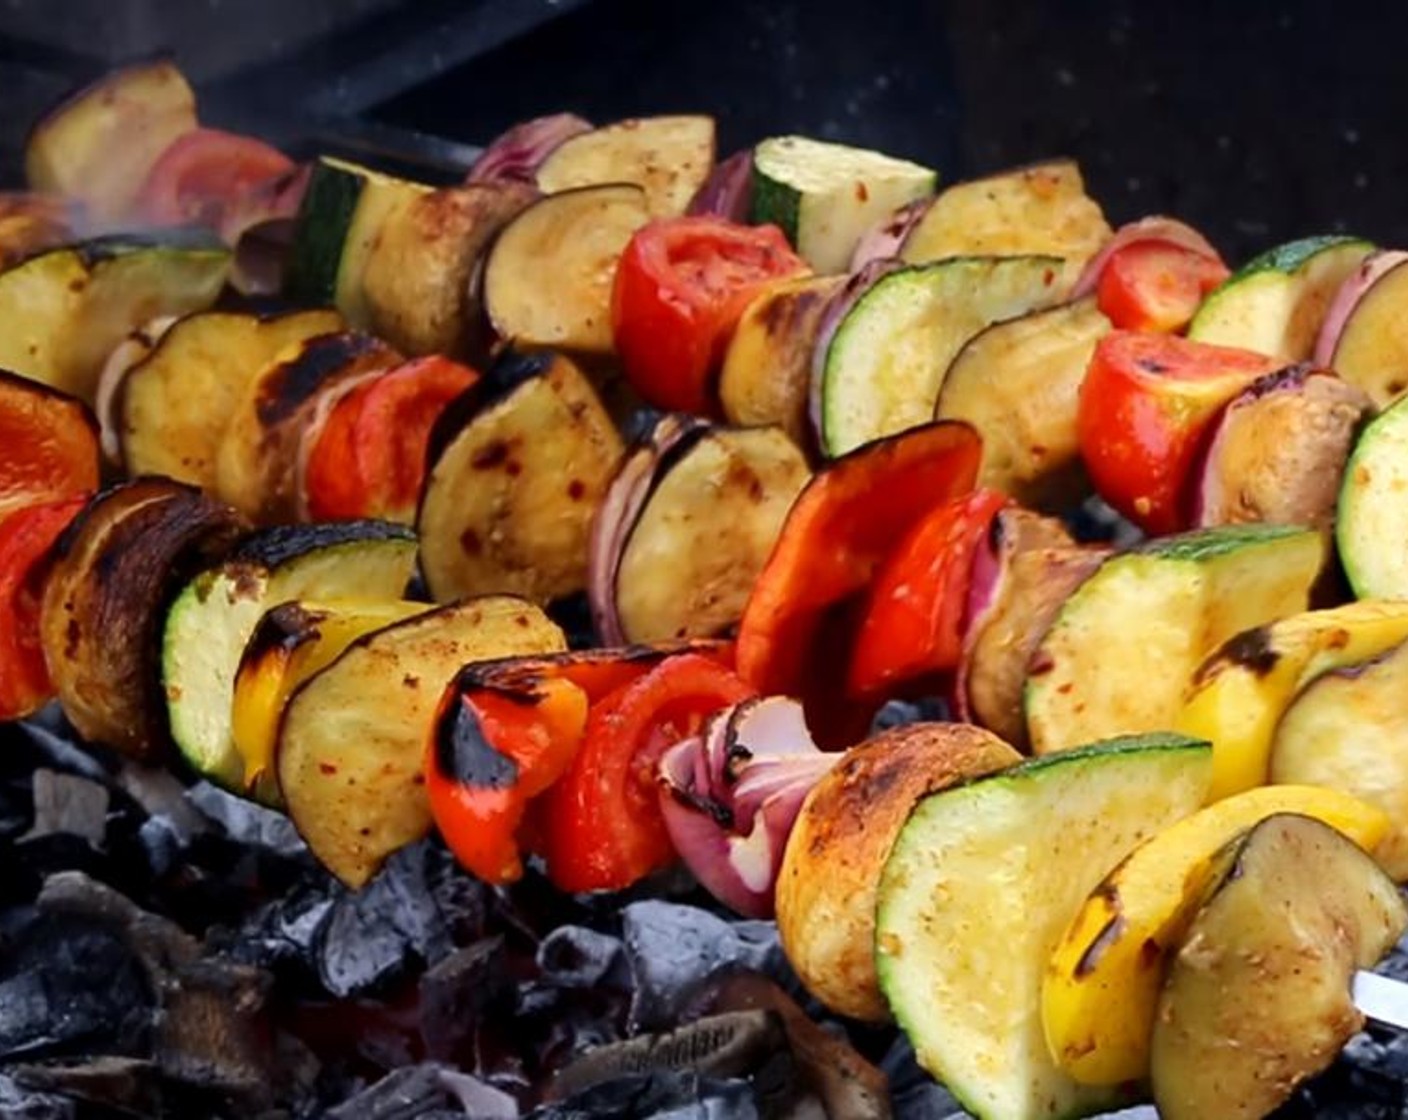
{"type": "Point", "coordinates": [1258, 122]}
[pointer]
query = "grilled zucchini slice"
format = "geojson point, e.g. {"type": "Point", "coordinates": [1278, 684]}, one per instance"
{"type": "Point", "coordinates": [214, 614]}
{"type": "Point", "coordinates": [518, 466]}
{"type": "Point", "coordinates": [172, 406]}
{"type": "Point", "coordinates": [353, 738]}
{"type": "Point", "coordinates": [548, 276]}
{"type": "Point", "coordinates": [63, 311]}
{"type": "Point", "coordinates": [1373, 508]}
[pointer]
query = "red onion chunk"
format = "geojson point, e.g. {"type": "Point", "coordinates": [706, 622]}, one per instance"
{"type": "Point", "coordinates": [731, 796]}
{"type": "Point", "coordinates": [1350, 292]}
{"type": "Point", "coordinates": [885, 239]}
{"type": "Point", "coordinates": [728, 191]}
{"type": "Point", "coordinates": [518, 153]}
{"type": "Point", "coordinates": [616, 516]}
{"type": "Point", "coordinates": [1156, 228]}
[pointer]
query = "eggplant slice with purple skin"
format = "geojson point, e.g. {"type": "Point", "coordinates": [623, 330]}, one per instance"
{"type": "Point", "coordinates": [518, 465]}
{"type": "Point", "coordinates": [690, 520]}
{"type": "Point", "coordinates": [1279, 450]}
{"type": "Point", "coordinates": [115, 569]}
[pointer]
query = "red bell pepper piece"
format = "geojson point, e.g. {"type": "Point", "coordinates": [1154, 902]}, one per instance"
{"type": "Point", "coordinates": [914, 618]}
{"type": "Point", "coordinates": [48, 444]}
{"type": "Point", "coordinates": [681, 286]}
{"type": "Point", "coordinates": [1156, 285]}
{"type": "Point", "coordinates": [369, 458]}
{"type": "Point", "coordinates": [601, 822]}
{"type": "Point", "coordinates": [27, 539]}
{"type": "Point", "coordinates": [799, 624]}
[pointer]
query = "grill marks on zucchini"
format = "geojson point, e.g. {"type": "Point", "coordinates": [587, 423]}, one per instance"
{"type": "Point", "coordinates": [256, 468]}
{"type": "Point", "coordinates": [174, 405]}
{"type": "Point", "coordinates": [214, 615]}
{"type": "Point", "coordinates": [63, 311]}
{"type": "Point", "coordinates": [506, 508]}
{"type": "Point", "coordinates": [549, 274]}
{"type": "Point", "coordinates": [353, 737]}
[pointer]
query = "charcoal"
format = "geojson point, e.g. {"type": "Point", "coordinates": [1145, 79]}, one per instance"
{"type": "Point", "coordinates": [282, 936]}
{"type": "Point", "coordinates": [49, 741]}
{"type": "Point", "coordinates": [123, 1083]}
{"type": "Point", "coordinates": [478, 1098]}
{"type": "Point", "coordinates": [246, 822]}
{"type": "Point", "coordinates": [161, 845]}
{"type": "Point", "coordinates": [899, 713]}
{"type": "Point", "coordinates": [70, 804]}
{"type": "Point", "coordinates": [574, 957]}
{"type": "Point", "coordinates": [70, 985]}
{"type": "Point", "coordinates": [18, 1102]}
{"type": "Point", "coordinates": [405, 1094]}
{"type": "Point", "coordinates": [161, 796]}
{"type": "Point", "coordinates": [458, 992]}
{"type": "Point", "coordinates": [672, 949]}
{"type": "Point", "coordinates": [661, 1095]}
{"type": "Point", "coordinates": [1095, 522]}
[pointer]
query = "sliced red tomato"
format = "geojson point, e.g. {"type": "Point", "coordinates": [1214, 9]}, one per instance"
{"type": "Point", "coordinates": [1146, 406]}
{"type": "Point", "coordinates": [798, 627]}
{"type": "Point", "coordinates": [369, 458]}
{"type": "Point", "coordinates": [27, 539]}
{"type": "Point", "coordinates": [913, 622]}
{"type": "Point", "coordinates": [602, 828]}
{"type": "Point", "coordinates": [681, 286]}
{"type": "Point", "coordinates": [1156, 285]}
{"type": "Point", "coordinates": [48, 444]}
{"type": "Point", "coordinates": [206, 172]}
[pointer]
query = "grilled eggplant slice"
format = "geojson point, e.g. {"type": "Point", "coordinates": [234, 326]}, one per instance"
{"type": "Point", "coordinates": [62, 312]}
{"type": "Point", "coordinates": [840, 841]}
{"type": "Point", "coordinates": [353, 738]}
{"type": "Point", "coordinates": [548, 276]}
{"type": "Point", "coordinates": [885, 365]}
{"type": "Point", "coordinates": [667, 157]}
{"type": "Point", "coordinates": [173, 405]}
{"type": "Point", "coordinates": [1097, 673]}
{"type": "Point", "coordinates": [98, 145]}
{"type": "Point", "coordinates": [1039, 210]}
{"type": "Point", "coordinates": [767, 369]}
{"type": "Point", "coordinates": [715, 506]}
{"type": "Point", "coordinates": [214, 614]}
{"type": "Point", "coordinates": [256, 466]}
{"type": "Point", "coordinates": [115, 568]}
{"type": "Point", "coordinates": [291, 642]}
{"type": "Point", "coordinates": [519, 464]}
{"type": "Point", "coordinates": [1369, 347]}
{"type": "Point", "coordinates": [1258, 997]}
{"type": "Point", "coordinates": [422, 294]}
{"type": "Point", "coordinates": [1278, 451]}
{"type": "Point", "coordinates": [49, 441]}
{"type": "Point", "coordinates": [1018, 382]}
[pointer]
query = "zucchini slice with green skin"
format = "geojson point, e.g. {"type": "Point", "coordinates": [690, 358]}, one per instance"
{"type": "Point", "coordinates": [115, 569]}
{"type": "Point", "coordinates": [667, 157]}
{"type": "Point", "coordinates": [98, 145]}
{"type": "Point", "coordinates": [978, 890]}
{"type": "Point", "coordinates": [1124, 647]}
{"type": "Point", "coordinates": [716, 506]}
{"type": "Point", "coordinates": [825, 196]}
{"type": "Point", "coordinates": [1042, 209]}
{"type": "Point", "coordinates": [1372, 513]}
{"type": "Point", "coordinates": [338, 222]}
{"type": "Point", "coordinates": [549, 274]}
{"type": "Point", "coordinates": [173, 405]}
{"type": "Point", "coordinates": [1348, 730]}
{"type": "Point", "coordinates": [63, 311]}
{"type": "Point", "coordinates": [258, 460]}
{"type": "Point", "coordinates": [1258, 997]}
{"type": "Point", "coordinates": [1276, 302]}
{"type": "Point", "coordinates": [420, 283]}
{"type": "Point", "coordinates": [215, 613]}
{"type": "Point", "coordinates": [1018, 382]}
{"type": "Point", "coordinates": [886, 363]}
{"type": "Point", "coordinates": [353, 737]}
{"type": "Point", "coordinates": [518, 466]}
